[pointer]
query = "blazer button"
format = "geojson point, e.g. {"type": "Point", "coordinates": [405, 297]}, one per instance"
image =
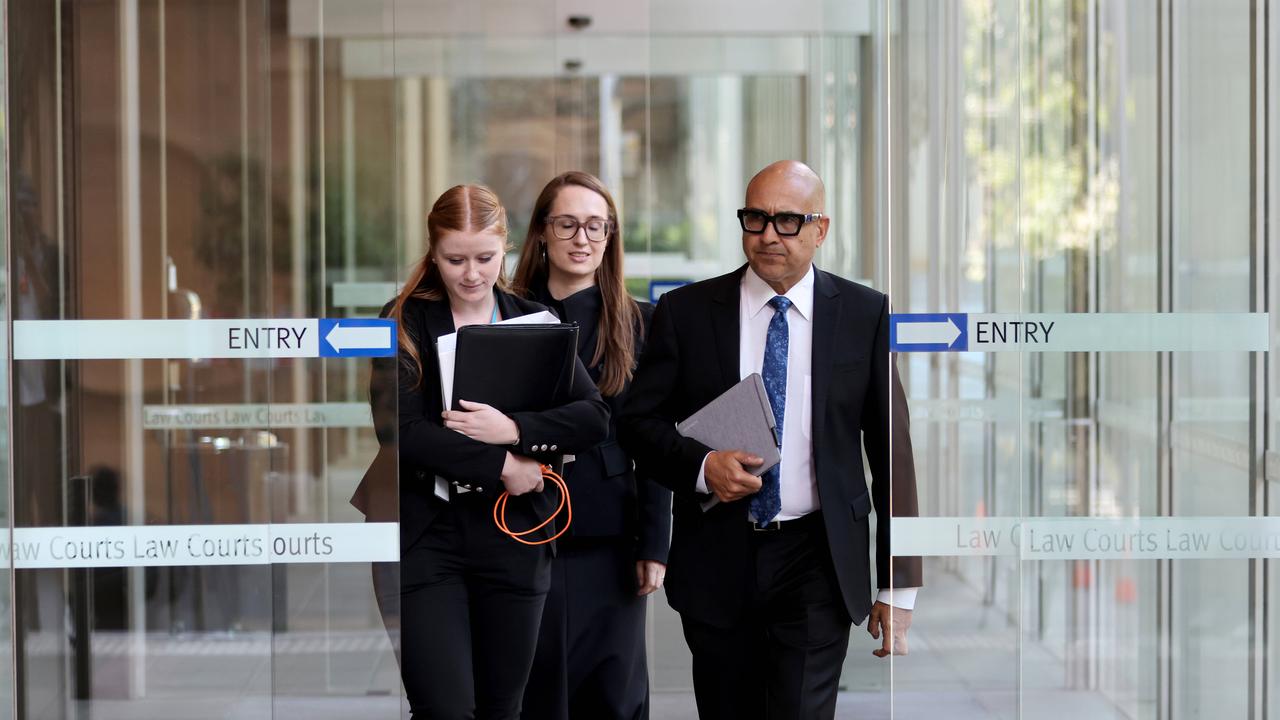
{"type": "Point", "coordinates": [553, 448]}
{"type": "Point", "coordinates": [544, 448]}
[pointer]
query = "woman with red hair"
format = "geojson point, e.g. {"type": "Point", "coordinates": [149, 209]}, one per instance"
{"type": "Point", "coordinates": [471, 597]}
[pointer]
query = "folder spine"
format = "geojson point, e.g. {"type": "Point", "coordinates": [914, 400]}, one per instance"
{"type": "Point", "coordinates": [762, 397]}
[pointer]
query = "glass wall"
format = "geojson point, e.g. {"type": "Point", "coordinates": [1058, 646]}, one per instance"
{"type": "Point", "coordinates": [184, 161]}
{"type": "Point", "coordinates": [272, 160]}
{"type": "Point", "coordinates": [6, 515]}
{"type": "Point", "coordinates": [1093, 158]}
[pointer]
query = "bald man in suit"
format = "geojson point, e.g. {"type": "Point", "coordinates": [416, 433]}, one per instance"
{"type": "Point", "coordinates": [769, 579]}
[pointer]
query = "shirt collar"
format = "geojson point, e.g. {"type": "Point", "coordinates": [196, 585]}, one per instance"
{"type": "Point", "coordinates": [757, 294]}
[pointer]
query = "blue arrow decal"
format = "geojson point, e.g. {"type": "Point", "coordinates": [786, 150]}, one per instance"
{"type": "Point", "coordinates": [929, 332]}
{"type": "Point", "coordinates": [357, 337]}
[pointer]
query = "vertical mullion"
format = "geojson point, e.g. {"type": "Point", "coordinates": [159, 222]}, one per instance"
{"type": "Point", "coordinates": [1164, 370]}
{"type": "Point", "coordinates": [1258, 143]}
{"type": "Point", "coordinates": [16, 691]}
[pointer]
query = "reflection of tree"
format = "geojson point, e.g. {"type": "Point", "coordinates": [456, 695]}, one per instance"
{"type": "Point", "coordinates": [639, 235]}
{"type": "Point", "coordinates": [232, 202]}
{"type": "Point", "coordinates": [1028, 141]}
{"type": "Point", "coordinates": [232, 198]}
{"type": "Point", "coordinates": [375, 244]}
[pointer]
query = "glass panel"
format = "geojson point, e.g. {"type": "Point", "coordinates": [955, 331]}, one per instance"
{"type": "Point", "coordinates": [185, 162]}
{"type": "Point", "coordinates": [729, 93]}
{"type": "Point", "coordinates": [335, 205]}
{"type": "Point", "coordinates": [271, 159]}
{"type": "Point", "coordinates": [956, 245]}
{"type": "Point", "coordinates": [1211, 182]}
{"type": "Point", "coordinates": [7, 222]}
{"type": "Point", "coordinates": [1085, 158]}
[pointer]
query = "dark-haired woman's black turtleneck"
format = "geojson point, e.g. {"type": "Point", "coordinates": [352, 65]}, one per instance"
{"type": "Point", "coordinates": [590, 662]}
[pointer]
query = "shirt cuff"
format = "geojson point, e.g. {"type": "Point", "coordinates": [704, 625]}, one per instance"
{"type": "Point", "coordinates": [701, 485]}
{"type": "Point", "coordinates": [903, 598]}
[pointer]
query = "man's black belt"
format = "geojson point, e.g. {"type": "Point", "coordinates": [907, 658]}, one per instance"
{"type": "Point", "coordinates": [804, 523]}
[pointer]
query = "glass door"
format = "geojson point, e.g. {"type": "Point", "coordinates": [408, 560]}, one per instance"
{"type": "Point", "coordinates": [185, 447]}
{"type": "Point", "coordinates": [1096, 505]}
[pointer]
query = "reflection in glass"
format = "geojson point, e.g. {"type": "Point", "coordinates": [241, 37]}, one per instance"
{"type": "Point", "coordinates": [172, 167]}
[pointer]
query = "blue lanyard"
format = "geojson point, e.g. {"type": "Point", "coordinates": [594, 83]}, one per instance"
{"type": "Point", "coordinates": [494, 319]}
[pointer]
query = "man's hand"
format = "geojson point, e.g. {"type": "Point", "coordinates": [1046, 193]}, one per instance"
{"type": "Point", "coordinates": [889, 624]}
{"type": "Point", "coordinates": [521, 475]}
{"type": "Point", "coordinates": [726, 477]}
{"type": "Point", "coordinates": [482, 422]}
{"type": "Point", "coordinates": [649, 576]}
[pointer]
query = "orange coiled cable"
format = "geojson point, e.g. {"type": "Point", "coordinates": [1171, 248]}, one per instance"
{"type": "Point", "coordinates": [500, 512]}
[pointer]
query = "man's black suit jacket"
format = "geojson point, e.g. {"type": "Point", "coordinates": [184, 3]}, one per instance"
{"type": "Point", "coordinates": [691, 357]}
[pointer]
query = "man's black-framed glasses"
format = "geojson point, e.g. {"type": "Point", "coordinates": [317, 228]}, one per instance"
{"type": "Point", "coordinates": [785, 224]}
{"type": "Point", "coordinates": [565, 227]}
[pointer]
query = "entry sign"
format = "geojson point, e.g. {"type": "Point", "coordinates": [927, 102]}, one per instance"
{"type": "Point", "coordinates": [1080, 332]}
{"type": "Point", "coordinates": [244, 338]}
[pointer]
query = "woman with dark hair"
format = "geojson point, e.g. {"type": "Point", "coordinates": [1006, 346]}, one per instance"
{"type": "Point", "coordinates": [470, 596]}
{"type": "Point", "coordinates": [590, 663]}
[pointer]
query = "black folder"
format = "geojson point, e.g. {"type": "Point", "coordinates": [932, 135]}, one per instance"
{"type": "Point", "coordinates": [515, 368]}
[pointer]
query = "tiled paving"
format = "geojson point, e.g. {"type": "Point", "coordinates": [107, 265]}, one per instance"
{"type": "Point", "coordinates": [964, 664]}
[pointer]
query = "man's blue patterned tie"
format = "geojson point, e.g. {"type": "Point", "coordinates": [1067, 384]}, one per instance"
{"type": "Point", "coordinates": [766, 503]}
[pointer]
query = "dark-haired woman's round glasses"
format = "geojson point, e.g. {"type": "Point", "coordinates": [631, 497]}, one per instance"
{"type": "Point", "coordinates": [565, 227]}
{"type": "Point", "coordinates": [785, 224]}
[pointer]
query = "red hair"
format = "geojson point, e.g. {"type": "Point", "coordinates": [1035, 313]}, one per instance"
{"type": "Point", "coordinates": [461, 208]}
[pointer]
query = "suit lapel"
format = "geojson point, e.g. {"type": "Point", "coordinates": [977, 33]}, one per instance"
{"type": "Point", "coordinates": [725, 317]}
{"type": "Point", "coordinates": [439, 319]}
{"type": "Point", "coordinates": [826, 321]}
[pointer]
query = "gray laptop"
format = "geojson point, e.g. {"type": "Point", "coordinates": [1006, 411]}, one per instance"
{"type": "Point", "coordinates": [740, 419]}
